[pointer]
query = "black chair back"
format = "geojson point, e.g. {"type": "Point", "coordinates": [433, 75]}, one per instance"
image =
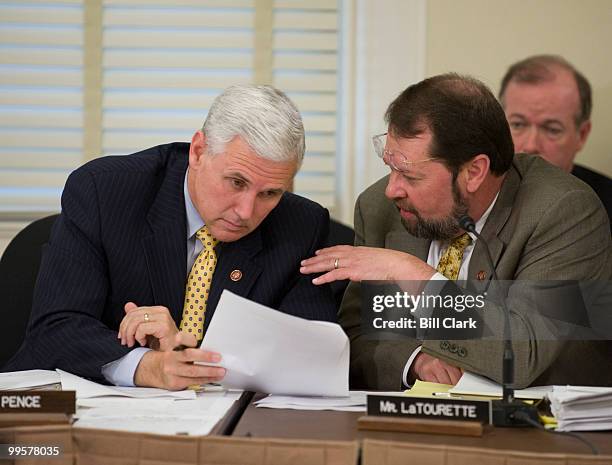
{"type": "Point", "coordinates": [18, 271]}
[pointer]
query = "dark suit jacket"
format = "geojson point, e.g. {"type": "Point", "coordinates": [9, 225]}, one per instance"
{"type": "Point", "coordinates": [339, 234]}
{"type": "Point", "coordinates": [602, 185]}
{"type": "Point", "coordinates": [122, 237]}
{"type": "Point", "coordinates": [545, 225]}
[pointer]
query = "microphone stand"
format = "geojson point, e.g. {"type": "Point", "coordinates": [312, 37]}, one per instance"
{"type": "Point", "coordinates": [507, 411]}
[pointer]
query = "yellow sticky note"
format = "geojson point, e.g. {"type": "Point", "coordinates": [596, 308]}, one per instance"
{"type": "Point", "coordinates": [427, 389]}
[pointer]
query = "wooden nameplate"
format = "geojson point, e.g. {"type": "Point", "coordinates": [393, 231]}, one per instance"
{"type": "Point", "coordinates": [420, 425]}
{"type": "Point", "coordinates": [37, 402]}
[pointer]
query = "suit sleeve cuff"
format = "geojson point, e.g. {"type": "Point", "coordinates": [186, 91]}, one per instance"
{"type": "Point", "coordinates": [408, 365]}
{"type": "Point", "coordinates": [121, 371]}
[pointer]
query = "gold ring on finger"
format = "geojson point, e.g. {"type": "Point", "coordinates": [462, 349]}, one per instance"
{"type": "Point", "coordinates": [146, 317]}
{"type": "Point", "coordinates": [336, 262]}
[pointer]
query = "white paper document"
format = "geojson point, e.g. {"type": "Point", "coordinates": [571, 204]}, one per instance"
{"type": "Point", "coordinates": [29, 379]}
{"type": "Point", "coordinates": [471, 384]}
{"type": "Point", "coordinates": [355, 402]}
{"type": "Point", "coordinates": [269, 351]}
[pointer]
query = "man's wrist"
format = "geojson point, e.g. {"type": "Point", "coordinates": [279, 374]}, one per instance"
{"type": "Point", "coordinates": [414, 368]}
{"type": "Point", "coordinates": [413, 269]}
{"type": "Point", "coordinates": [147, 371]}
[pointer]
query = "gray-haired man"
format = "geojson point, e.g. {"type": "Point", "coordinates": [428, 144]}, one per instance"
{"type": "Point", "coordinates": [147, 242]}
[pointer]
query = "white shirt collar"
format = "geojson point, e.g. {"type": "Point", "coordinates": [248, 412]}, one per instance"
{"type": "Point", "coordinates": [483, 219]}
{"type": "Point", "coordinates": [194, 220]}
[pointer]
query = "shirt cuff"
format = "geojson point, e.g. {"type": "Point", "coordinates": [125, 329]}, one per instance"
{"type": "Point", "coordinates": [121, 371]}
{"type": "Point", "coordinates": [408, 365]}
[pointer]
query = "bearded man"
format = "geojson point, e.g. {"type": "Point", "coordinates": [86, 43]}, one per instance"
{"type": "Point", "coordinates": [450, 153]}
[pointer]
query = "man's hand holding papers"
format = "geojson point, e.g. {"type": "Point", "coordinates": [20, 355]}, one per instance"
{"type": "Point", "coordinates": [164, 366]}
{"type": "Point", "coordinates": [268, 351]}
{"type": "Point", "coordinates": [177, 370]}
{"type": "Point", "coordinates": [263, 350]}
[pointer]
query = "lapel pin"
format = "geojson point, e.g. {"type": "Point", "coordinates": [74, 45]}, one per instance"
{"type": "Point", "coordinates": [481, 275]}
{"type": "Point", "coordinates": [236, 275]}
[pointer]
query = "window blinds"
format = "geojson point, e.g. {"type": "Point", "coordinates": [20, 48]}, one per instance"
{"type": "Point", "coordinates": [41, 103]}
{"type": "Point", "coordinates": [161, 63]}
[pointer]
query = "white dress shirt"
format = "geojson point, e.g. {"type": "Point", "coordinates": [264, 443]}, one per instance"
{"type": "Point", "coordinates": [436, 250]}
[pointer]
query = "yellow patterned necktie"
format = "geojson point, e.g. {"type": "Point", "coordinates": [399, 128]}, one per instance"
{"type": "Point", "coordinates": [450, 262]}
{"type": "Point", "coordinates": [198, 285]}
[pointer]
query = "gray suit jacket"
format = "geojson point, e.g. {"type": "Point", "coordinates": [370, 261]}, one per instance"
{"type": "Point", "coordinates": [545, 225]}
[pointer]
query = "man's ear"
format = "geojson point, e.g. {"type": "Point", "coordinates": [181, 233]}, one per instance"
{"type": "Point", "coordinates": [475, 171]}
{"type": "Point", "coordinates": [583, 133]}
{"type": "Point", "coordinates": [197, 149]}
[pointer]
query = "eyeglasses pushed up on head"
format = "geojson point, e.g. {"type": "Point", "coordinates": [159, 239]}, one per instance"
{"type": "Point", "coordinates": [394, 158]}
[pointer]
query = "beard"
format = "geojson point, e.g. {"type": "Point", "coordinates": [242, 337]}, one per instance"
{"type": "Point", "coordinates": [438, 229]}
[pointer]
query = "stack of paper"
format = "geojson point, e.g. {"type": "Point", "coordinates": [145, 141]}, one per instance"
{"type": "Point", "coordinates": [159, 416]}
{"type": "Point", "coordinates": [582, 408]}
{"type": "Point", "coordinates": [30, 379]}
{"type": "Point", "coordinates": [146, 410]}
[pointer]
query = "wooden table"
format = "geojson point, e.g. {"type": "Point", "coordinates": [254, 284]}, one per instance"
{"type": "Point", "coordinates": [331, 425]}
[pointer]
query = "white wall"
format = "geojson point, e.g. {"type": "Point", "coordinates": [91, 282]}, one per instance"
{"type": "Point", "coordinates": [483, 37]}
{"type": "Point", "coordinates": [384, 47]}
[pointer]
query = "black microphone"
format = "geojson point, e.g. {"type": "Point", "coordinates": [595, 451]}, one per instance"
{"type": "Point", "coordinates": [503, 411]}
{"type": "Point", "coordinates": [467, 224]}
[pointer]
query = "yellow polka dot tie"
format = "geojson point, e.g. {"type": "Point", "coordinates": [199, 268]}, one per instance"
{"type": "Point", "coordinates": [450, 262]}
{"type": "Point", "coordinates": [198, 285]}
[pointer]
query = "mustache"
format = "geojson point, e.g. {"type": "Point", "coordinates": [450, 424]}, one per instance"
{"type": "Point", "coordinates": [406, 207]}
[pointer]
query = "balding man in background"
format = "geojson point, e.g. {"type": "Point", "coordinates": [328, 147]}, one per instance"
{"type": "Point", "coordinates": [548, 106]}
